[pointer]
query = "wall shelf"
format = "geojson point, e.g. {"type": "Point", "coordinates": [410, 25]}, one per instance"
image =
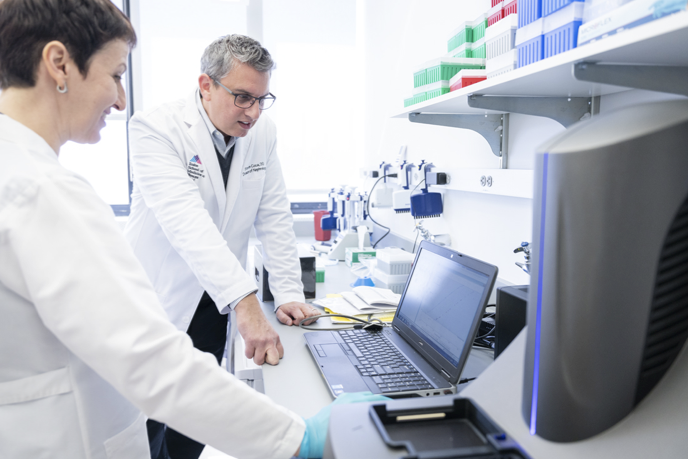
{"type": "Point", "coordinates": [662, 43]}
{"type": "Point", "coordinates": [567, 87]}
{"type": "Point", "coordinates": [491, 127]}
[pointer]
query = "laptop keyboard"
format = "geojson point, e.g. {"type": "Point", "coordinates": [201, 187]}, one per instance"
{"type": "Point", "coordinates": [383, 362]}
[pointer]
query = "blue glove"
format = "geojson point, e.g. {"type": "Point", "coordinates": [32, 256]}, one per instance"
{"type": "Point", "coordinates": [313, 442]}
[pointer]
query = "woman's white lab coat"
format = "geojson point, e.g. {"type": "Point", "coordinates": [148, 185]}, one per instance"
{"type": "Point", "coordinates": [189, 232]}
{"type": "Point", "coordinates": [85, 345]}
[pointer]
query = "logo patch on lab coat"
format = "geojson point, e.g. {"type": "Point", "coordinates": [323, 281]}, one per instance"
{"type": "Point", "coordinates": [195, 168]}
{"type": "Point", "coordinates": [251, 168]}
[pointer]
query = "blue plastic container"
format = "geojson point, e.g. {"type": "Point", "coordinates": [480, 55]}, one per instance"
{"type": "Point", "coordinates": [528, 11]}
{"type": "Point", "coordinates": [560, 29]}
{"type": "Point", "coordinates": [531, 51]}
{"type": "Point", "coordinates": [562, 39]}
{"type": "Point", "coordinates": [530, 43]}
{"type": "Point", "coordinates": [550, 6]}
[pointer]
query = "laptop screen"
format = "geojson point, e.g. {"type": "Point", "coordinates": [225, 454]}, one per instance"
{"type": "Point", "coordinates": [441, 301]}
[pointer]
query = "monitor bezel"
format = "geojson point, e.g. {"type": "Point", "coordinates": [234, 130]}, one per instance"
{"type": "Point", "coordinates": [421, 345]}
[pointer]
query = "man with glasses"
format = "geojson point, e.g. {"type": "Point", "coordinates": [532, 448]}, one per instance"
{"type": "Point", "coordinates": [206, 172]}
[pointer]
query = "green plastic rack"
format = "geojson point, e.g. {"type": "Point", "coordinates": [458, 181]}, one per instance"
{"type": "Point", "coordinates": [479, 27]}
{"type": "Point", "coordinates": [437, 92]}
{"type": "Point", "coordinates": [419, 97]}
{"type": "Point", "coordinates": [319, 275]}
{"type": "Point", "coordinates": [435, 89]}
{"type": "Point", "coordinates": [464, 51]}
{"type": "Point", "coordinates": [479, 50]}
{"type": "Point", "coordinates": [460, 35]}
{"type": "Point", "coordinates": [446, 68]}
{"type": "Point", "coordinates": [420, 78]}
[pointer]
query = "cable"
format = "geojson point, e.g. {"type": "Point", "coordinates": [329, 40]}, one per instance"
{"type": "Point", "coordinates": [372, 324]}
{"type": "Point", "coordinates": [411, 194]}
{"type": "Point", "coordinates": [368, 209]}
{"type": "Point", "coordinates": [371, 216]}
{"type": "Point", "coordinates": [486, 334]}
{"type": "Point", "coordinates": [416, 241]}
{"type": "Point", "coordinates": [486, 340]}
{"type": "Point", "coordinates": [416, 187]}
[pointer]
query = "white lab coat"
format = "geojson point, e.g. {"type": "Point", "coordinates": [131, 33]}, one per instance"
{"type": "Point", "coordinates": [86, 346]}
{"type": "Point", "coordinates": [189, 232]}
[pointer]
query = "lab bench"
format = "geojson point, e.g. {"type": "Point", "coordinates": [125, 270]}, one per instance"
{"type": "Point", "coordinates": [296, 383]}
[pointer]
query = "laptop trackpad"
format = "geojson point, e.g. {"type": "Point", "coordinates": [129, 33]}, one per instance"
{"type": "Point", "coordinates": [337, 368]}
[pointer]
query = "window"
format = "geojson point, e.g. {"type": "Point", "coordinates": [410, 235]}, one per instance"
{"type": "Point", "coordinates": [105, 164]}
{"type": "Point", "coordinates": [172, 37]}
{"type": "Point", "coordinates": [318, 84]}
{"type": "Point", "coordinates": [317, 81]}
{"type": "Point", "coordinates": [319, 91]}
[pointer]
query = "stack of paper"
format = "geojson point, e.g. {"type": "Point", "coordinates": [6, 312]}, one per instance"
{"type": "Point", "coordinates": [364, 302]}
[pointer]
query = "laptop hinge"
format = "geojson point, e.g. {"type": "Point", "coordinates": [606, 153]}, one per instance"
{"type": "Point", "coordinates": [445, 374]}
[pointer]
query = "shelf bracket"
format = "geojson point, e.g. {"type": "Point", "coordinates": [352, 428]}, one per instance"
{"type": "Point", "coordinates": [565, 110]}
{"type": "Point", "coordinates": [492, 127]}
{"type": "Point", "coordinates": [671, 79]}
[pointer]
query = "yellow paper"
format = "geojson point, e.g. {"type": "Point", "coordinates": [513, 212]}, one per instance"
{"type": "Point", "coordinates": [384, 317]}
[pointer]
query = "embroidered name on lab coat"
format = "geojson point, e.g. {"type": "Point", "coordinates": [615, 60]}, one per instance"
{"type": "Point", "coordinates": [251, 168]}
{"type": "Point", "coordinates": [195, 169]}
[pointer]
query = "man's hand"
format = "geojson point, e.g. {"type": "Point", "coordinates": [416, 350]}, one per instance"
{"type": "Point", "coordinates": [262, 341]}
{"type": "Point", "coordinates": [292, 313]}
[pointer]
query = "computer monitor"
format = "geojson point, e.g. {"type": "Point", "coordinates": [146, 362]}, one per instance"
{"type": "Point", "coordinates": [608, 299]}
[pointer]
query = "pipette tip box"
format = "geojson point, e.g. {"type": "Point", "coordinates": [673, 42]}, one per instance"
{"type": "Point", "coordinates": [495, 14]}
{"type": "Point", "coordinates": [394, 282]}
{"type": "Point", "coordinates": [530, 43]}
{"type": "Point", "coordinates": [354, 255]}
{"type": "Point", "coordinates": [394, 261]}
{"type": "Point", "coordinates": [466, 78]}
{"type": "Point", "coordinates": [560, 29]}
{"type": "Point", "coordinates": [501, 37]}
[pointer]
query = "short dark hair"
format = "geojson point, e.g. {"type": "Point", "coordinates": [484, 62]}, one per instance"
{"type": "Point", "coordinates": [83, 26]}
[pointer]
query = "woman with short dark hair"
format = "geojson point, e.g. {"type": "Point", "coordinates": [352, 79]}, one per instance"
{"type": "Point", "coordinates": [85, 345]}
{"type": "Point", "coordinates": [83, 27]}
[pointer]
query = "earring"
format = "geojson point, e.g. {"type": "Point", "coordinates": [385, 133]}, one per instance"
{"type": "Point", "coordinates": [62, 90]}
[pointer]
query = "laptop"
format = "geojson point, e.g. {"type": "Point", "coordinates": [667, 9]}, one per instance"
{"type": "Point", "coordinates": [425, 349]}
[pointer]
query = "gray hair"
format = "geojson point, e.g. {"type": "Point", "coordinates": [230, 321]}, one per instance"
{"type": "Point", "coordinates": [221, 55]}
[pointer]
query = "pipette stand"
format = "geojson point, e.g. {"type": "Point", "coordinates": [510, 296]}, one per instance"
{"type": "Point", "coordinates": [339, 245]}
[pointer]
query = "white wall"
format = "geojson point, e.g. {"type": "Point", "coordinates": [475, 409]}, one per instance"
{"type": "Point", "coordinates": [392, 38]}
{"type": "Point", "coordinates": [400, 34]}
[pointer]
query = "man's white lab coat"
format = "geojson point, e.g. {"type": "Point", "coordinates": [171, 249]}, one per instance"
{"type": "Point", "coordinates": [189, 232]}
{"type": "Point", "coordinates": [86, 346]}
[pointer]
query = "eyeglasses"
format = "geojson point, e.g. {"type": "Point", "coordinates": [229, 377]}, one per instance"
{"type": "Point", "coordinates": [245, 101]}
